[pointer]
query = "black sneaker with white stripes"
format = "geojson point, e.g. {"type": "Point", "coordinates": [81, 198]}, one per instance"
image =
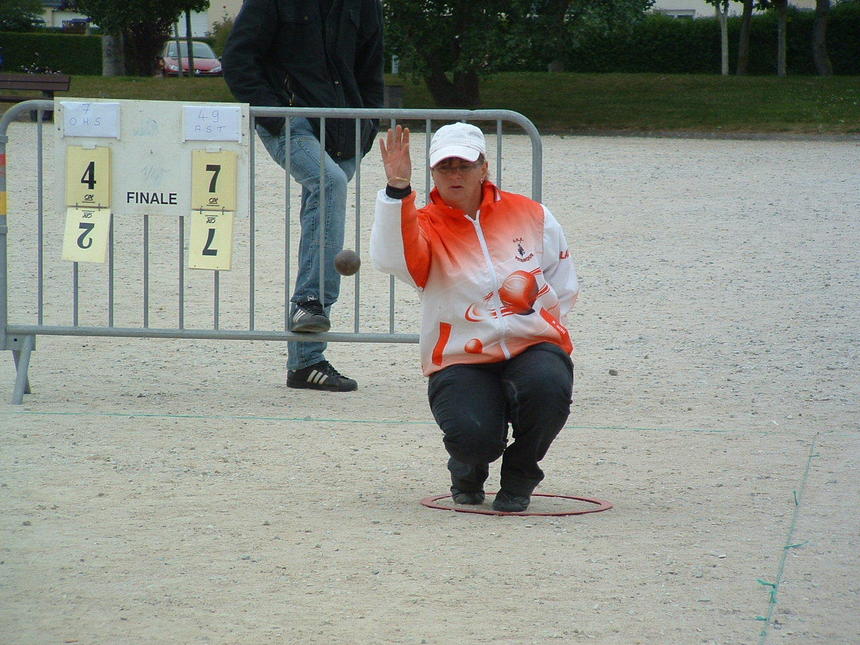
{"type": "Point", "coordinates": [309, 317]}
{"type": "Point", "coordinates": [320, 376]}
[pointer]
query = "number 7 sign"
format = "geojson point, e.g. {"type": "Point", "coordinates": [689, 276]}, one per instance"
{"type": "Point", "coordinates": [213, 180]}
{"type": "Point", "coordinates": [211, 244]}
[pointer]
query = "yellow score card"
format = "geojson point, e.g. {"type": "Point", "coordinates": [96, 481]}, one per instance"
{"type": "Point", "coordinates": [86, 234]}
{"type": "Point", "coordinates": [88, 177]}
{"type": "Point", "coordinates": [211, 244]}
{"type": "Point", "coordinates": [213, 180]}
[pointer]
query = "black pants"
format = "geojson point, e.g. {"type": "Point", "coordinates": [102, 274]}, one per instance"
{"type": "Point", "coordinates": [473, 405]}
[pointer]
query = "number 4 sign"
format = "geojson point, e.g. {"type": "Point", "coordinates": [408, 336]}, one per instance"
{"type": "Point", "coordinates": [88, 177]}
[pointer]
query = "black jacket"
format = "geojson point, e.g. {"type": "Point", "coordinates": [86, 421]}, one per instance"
{"type": "Point", "coordinates": [286, 53]}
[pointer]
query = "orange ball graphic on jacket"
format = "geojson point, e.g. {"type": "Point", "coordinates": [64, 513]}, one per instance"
{"type": "Point", "coordinates": [519, 291]}
{"type": "Point", "coordinates": [474, 346]}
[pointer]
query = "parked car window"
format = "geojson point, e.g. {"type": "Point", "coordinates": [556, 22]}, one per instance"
{"type": "Point", "coordinates": [199, 50]}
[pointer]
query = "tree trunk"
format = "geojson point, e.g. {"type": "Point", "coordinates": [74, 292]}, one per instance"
{"type": "Point", "coordinates": [819, 39]}
{"type": "Point", "coordinates": [553, 19]}
{"type": "Point", "coordinates": [722, 16]}
{"type": "Point", "coordinates": [782, 20]}
{"type": "Point", "coordinates": [744, 38]}
{"type": "Point", "coordinates": [462, 92]}
{"type": "Point", "coordinates": [179, 72]}
{"type": "Point", "coordinates": [189, 45]}
{"type": "Point", "coordinates": [142, 44]}
{"type": "Point", "coordinates": [112, 59]}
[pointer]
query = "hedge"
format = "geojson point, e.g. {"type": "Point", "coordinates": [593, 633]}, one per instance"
{"type": "Point", "coordinates": [665, 45]}
{"type": "Point", "coordinates": [66, 53]}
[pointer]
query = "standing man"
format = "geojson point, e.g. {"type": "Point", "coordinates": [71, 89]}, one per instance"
{"type": "Point", "coordinates": [311, 53]}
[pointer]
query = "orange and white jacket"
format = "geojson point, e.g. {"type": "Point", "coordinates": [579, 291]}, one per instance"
{"type": "Point", "coordinates": [490, 287]}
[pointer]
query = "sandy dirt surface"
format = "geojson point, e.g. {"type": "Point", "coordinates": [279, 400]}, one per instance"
{"type": "Point", "coordinates": [174, 491]}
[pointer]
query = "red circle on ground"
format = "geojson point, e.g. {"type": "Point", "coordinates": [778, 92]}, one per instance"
{"type": "Point", "coordinates": [599, 505]}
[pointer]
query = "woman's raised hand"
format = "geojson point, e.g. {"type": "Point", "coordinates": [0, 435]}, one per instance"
{"type": "Point", "coordinates": [395, 157]}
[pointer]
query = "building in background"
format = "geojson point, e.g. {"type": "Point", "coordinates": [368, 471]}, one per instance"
{"type": "Point", "coordinates": [57, 14]}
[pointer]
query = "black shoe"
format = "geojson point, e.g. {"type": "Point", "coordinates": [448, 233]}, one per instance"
{"type": "Point", "coordinates": [320, 376]}
{"type": "Point", "coordinates": [309, 317]}
{"type": "Point", "coordinates": [467, 496]}
{"type": "Point", "coordinates": [509, 503]}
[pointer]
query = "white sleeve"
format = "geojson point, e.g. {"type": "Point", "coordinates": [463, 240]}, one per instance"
{"type": "Point", "coordinates": [558, 268]}
{"type": "Point", "coordinates": [386, 238]}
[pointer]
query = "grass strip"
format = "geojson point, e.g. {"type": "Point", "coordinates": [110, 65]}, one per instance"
{"type": "Point", "coordinates": [583, 103]}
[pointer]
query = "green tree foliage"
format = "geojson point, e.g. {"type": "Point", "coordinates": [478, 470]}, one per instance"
{"type": "Point", "coordinates": [220, 33]}
{"type": "Point", "coordinates": [143, 25]}
{"type": "Point", "coordinates": [19, 15]}
{"type": "Point", "coordinates": [552, 27]}
{"type": "Point", "coordinates": [450, 44]}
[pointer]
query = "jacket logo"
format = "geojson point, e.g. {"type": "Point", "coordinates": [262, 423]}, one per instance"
{"type": "Point", "coordinates": [521, 254]}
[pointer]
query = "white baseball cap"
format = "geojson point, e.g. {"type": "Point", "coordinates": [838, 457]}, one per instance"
{"type": "Point", "coordinates": [460, 140]}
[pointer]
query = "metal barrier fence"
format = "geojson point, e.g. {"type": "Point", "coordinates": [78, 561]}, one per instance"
{"type": "Point", "coordinates": [41, 296]}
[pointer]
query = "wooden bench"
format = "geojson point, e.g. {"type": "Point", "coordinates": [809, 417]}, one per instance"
{"type": "Point", "coordinates": [29, 84]}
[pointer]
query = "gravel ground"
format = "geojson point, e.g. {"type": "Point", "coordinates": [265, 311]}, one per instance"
{"type": "Point", "coordinates": [174, 491]}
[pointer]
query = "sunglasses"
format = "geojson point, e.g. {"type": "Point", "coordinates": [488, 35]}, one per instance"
{"type": "Point", "coordinates": [451, 168]}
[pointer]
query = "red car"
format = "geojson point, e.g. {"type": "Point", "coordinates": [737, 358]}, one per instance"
{"type": "Point", "coordinates": [206, 63]}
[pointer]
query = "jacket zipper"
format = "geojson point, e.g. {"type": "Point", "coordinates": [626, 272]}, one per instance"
{"type": "Point", "coordinates": [289, 90]}
{"type": "Point", "coordinates": [497, 300]}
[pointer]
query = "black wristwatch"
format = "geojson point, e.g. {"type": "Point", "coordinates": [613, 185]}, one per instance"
{"type": "Point", "coordinates": [398, 193]}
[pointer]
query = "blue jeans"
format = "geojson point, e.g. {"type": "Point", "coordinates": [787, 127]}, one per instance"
{"type": "Point", "coordinates": [305, 169]}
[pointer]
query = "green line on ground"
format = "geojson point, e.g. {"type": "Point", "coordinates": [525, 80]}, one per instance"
{"type": "Point", "coordinates": [774, 586]}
